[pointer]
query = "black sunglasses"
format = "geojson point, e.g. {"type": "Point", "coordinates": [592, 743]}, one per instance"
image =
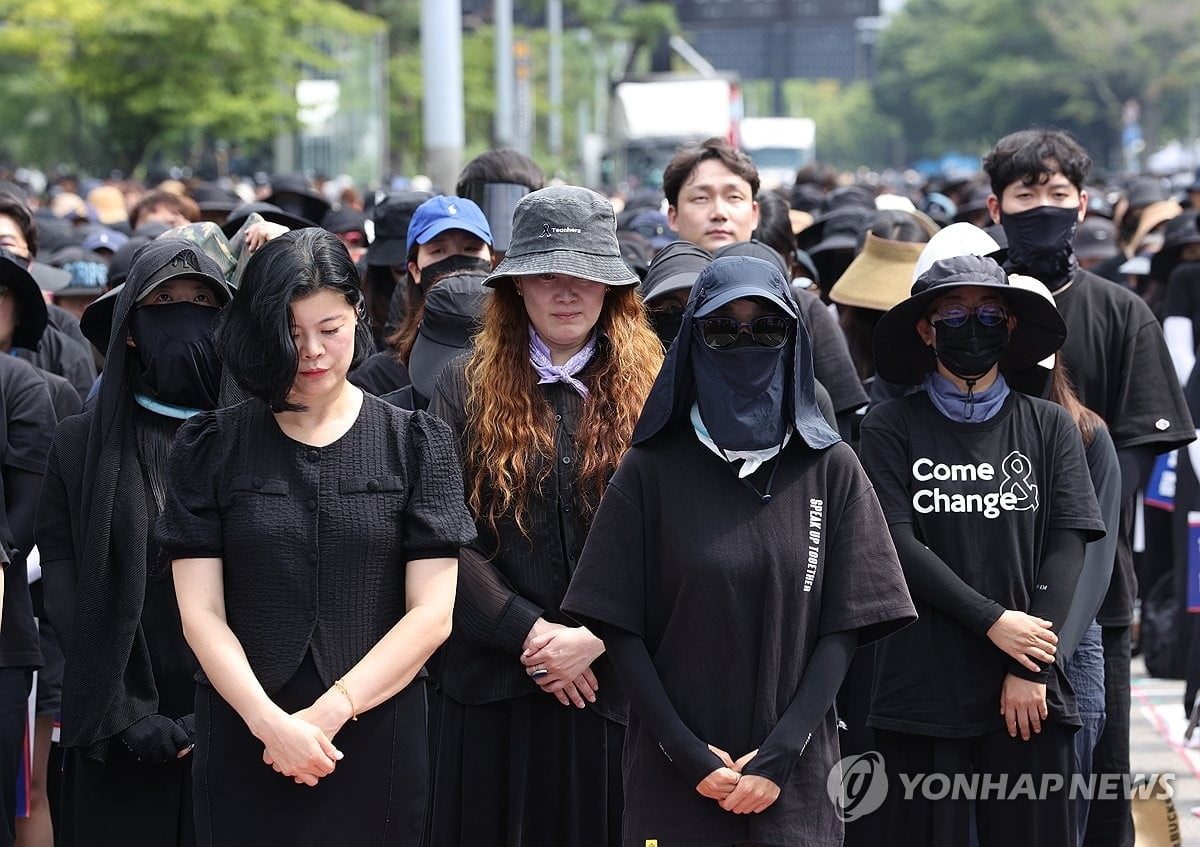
{"type": "Point", "coordinates": [722, 333]}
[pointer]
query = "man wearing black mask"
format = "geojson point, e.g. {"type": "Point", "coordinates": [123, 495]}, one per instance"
{"type": "Point", "coordinates": [1116, 354]}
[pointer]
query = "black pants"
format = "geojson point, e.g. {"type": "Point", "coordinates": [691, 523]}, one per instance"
{"type": "Point", "coordinates": [1004, 818]}
{"type": "Point", "coordinates": [1110, 823]}
{"type": "Point", "coordinates": [14, 696]}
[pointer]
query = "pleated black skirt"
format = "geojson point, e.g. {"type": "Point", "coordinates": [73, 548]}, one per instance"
{"type": "Point", "coordinates": [527, 772]}
{"type": "Point", "coordinates": [376, 796]}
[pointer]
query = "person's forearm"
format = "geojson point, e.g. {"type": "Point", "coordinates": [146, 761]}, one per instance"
{"type": "Point", "coordinates": [935, 582]}
{"type": "Point", "coordinates": [398, 657]}
{"type": "Point", "coordinates": [814, 696]}
{"type": "Point", "coordinates": [1136, 464]}
{"type": "Point", "coordinates": [1054, 587]}
{"type": "Point", "coordinates": [217, 648]}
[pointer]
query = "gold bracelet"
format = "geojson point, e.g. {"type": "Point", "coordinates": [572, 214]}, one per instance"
{"type": "Point", "coordinates": [341, 686]}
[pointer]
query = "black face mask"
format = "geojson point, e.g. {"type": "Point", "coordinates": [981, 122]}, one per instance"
{"type": "Point", "coordinates": [175, 351]}
{"type": "Point", "coordinates": [666, 325]}
{"type": "Point", "coordinates": [1041, 243]}
{"type": "Point", "coordinates": [742, 392]}
{"type": "Point", "coordinates": [455, 264]}
{"type": "Point", "coordinates": [970, 350]}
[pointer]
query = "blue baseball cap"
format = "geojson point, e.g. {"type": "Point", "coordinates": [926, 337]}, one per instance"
{"type": "Point", "coordinates": [438, 214]}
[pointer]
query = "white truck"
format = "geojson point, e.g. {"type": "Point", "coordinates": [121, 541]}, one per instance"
{"type": "Point", "coordinates": [651, 116]}
{"type": "Point", "coordinates": [778, 146]}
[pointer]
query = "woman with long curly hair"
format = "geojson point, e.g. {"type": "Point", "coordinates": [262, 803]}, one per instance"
{"type": "Point", "coordinates": [533, 722]}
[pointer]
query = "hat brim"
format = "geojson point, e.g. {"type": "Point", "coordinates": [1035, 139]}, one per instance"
{"type": "Point", "coordinates": [901, 357]}
{"type": "Point", "coordinates": [608, 270]}
{"type": "Point", "coordinates": [387, 252]}
{"type": "Point", "coordinates": [675, 282]}
{"type": "Point", "coordinates": [30, 305]}
{"type": "Point", "coordinates": [741, 291]}
{"type": "Point", "coordinates": [880, 276]}
{"type": "Point", "coordinates": [837, 241]}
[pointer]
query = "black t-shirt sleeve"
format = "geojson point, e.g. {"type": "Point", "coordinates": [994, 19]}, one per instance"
{"type": "Point", "coordinates": [608, 586]}
{"type": "Point", "coordinates": [832, 363]}
{"type": "Point", "coordinates": [190, 523]}
{"type": "Point", "coordinates": [885, 458]}
{"type": "Point", "coordinates": [1152, 408]}
{"type": "Point", "coordinates": [29, 418]}
{"type": "Point", "coordinates": [436, 519]}
{"type": "Point", "coordinates": [863, 585]}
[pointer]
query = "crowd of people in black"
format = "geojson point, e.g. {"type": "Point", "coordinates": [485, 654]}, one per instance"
{"type": "Point", "coordinates": [526, 515]}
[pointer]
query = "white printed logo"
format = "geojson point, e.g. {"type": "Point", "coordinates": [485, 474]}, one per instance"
{"type": "Point", "coordinates": [857, 785]}
{"type": "Point", "coordinates": [816, 511]}
{"type": "Point", "coordinates": [1016, 492]}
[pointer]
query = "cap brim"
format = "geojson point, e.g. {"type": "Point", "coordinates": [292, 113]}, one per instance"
{"type": "Point", "coordinates": [738, 292]}
{"type": "Point", "coordinates": [901, 357]}
{"type": "Point", "coordinates": [219, 286]}
{"type": "Point", "coordinates": [444, 225]}
{"type": "Point", "coordinates": [608, 270]}
{"type": "Point", "coordinates": [675, 282]}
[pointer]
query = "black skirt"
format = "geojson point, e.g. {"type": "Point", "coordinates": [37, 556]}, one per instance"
{"type": "Point", "coordinates": [376, 796]}
{"type": "Point", "coordinates": [527, 772]}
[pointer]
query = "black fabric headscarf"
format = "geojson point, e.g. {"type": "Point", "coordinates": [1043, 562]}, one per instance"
{"type": "Point", "coordinates": [674, 390]}
{"type": "Point", "coordinates": [108, 682]}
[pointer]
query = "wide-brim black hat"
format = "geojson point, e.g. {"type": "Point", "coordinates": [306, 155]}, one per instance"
{"type": "Point", "coordinates": [902, 357]}
{"type": "Point", "coordinates": [27, 297]}
{"type": "Point", "coordinates": [1180, 231]}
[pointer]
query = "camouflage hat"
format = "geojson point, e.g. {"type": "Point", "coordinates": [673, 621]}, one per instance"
{"type": "Point", "coordinates": [211, 240]}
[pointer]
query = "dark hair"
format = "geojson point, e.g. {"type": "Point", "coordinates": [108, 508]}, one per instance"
{"type": "Point", "coordinates": [688, 158]}
{"type": "Point", "coordinates": [16, 208]}
{"type": "Point", "coordinates": [507, 166]}
{"type": "Point", "coordinates": [254, 338]}
{"type": "Point", "coordinates": [1031, 155]}
{"type": "Point", "coordinates": [897, 225]}
{"type": "Point", "coordinates": [177, 203]}
{"type": "Point", "coordinates": [774, 226]}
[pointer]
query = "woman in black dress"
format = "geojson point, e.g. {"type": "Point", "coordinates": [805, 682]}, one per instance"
{"type": "Point", "coordinates": [314, 531]}
{"type": "Point", "coordinates": [128, 690]}
{"type": "Point", "coordinates": [532, 721]}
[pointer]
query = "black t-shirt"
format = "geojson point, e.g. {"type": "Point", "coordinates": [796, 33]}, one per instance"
{"type": "Point", "coordinates": [982, 496]}
{"type": "Point", "coordinates": [730, 596]}
{"type": "Point", "coordinates": [26, 430]}
{"type": "Point", "coordinates": [1122, 370]}
{"type": "Point", "coordinates": [1183, 294]}
{"type": "Point", "coordinates": [1120, 364]}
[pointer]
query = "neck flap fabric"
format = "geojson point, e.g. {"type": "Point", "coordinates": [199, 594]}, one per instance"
{"type": "Point", "coordinates": [670, 400]}
{"type": "Point", "coordinates": [110, 682]}
{"type": "Point", "coordinates": [751, 460]}
{"type": "Point", "coordinates": [547, 371]}
{"type": "Point", "coordinates": [972, 407]}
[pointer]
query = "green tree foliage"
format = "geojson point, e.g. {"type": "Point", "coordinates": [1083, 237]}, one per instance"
{"type": "Point", "coordinates": [104, 84]}
{"type": "Point", "coordinates": [958, 74]}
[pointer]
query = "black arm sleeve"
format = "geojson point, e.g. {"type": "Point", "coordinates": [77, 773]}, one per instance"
{"type": "Point", "coordinates": [21, 488]}
{"type": "Point", "coordinates": [818, 687]}
{"type": "Point", "coordinates": [932, 580]}
{"type": "Point", "coordinates": [1055, 587]}
{"type": "Point", "coordinates": [644, 687]}
{"type": "Point", "coordinates": [1136, 463]}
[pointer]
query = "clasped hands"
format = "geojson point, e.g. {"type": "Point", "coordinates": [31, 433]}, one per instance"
{"type": "Point", "coordinates": [300, 745]}
{"type": "Point", "coordinates": [1031, 642]}
{"type": "Point", "coordinates": [742, 794]}
{"type": "Point", "coordinates": [566, 654]}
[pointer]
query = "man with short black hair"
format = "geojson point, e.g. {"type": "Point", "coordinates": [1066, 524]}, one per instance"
{"type": "Point", "coordinates": [710, 189]}
{"type": "Point", "coordinates": [1119, 362]}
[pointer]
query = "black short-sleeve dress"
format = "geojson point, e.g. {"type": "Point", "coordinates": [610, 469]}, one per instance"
{"type": "Point", "coordinates": [313, 542]}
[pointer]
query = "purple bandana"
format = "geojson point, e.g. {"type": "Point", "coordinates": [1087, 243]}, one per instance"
{"type": "Point", "coordinates": [539, 357]}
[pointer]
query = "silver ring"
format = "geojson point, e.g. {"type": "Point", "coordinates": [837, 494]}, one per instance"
{"type": "Point", "coordinates": [538, 673]}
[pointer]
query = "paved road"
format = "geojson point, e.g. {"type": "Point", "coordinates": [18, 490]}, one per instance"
{"type": "Point", "coordinates": [1157, 722]}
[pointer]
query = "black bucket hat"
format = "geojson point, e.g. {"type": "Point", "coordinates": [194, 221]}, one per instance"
{"type": "Point", "coordinates": [294, 194]}
{"type": "Point", "coordinates": [901, 356]}
{"type": "Point", "coordinates": [565, 229]}
{"type": "Point", "coordinates": [1180, 231]}
{"type": "Point", "coordinates": [27, 296]}
{"type": "Point", "coordinates": [726, 279]}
